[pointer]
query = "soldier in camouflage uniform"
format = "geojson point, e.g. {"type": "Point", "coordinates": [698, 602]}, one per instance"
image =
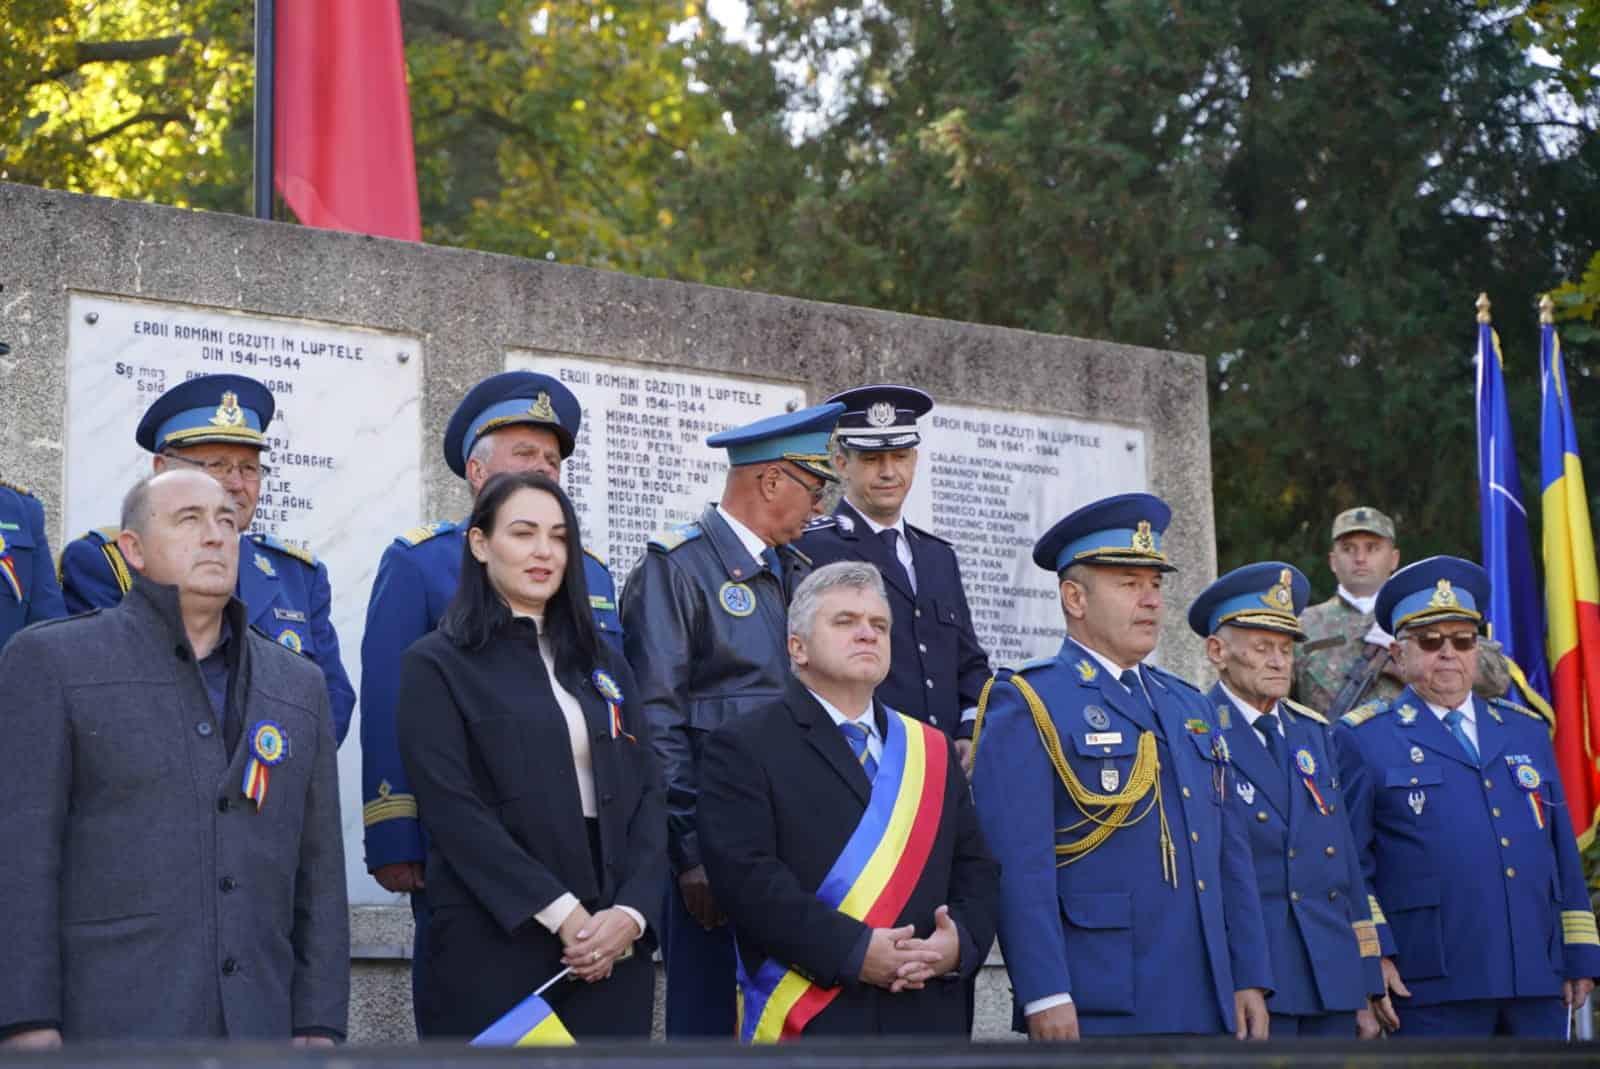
{"type": "Point", "coordinates": [1342, 639]}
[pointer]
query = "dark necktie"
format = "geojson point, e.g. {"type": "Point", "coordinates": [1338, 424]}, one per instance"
{"type": "Point", "coordinates": [1130, 679]}
{"type": "Point", "coordinates": [1267, 724]}
{"type": "Point", "coordinates": [1454, 718]}
{"type": "Point", "coordinates": [856, 736]}
{"type": "Point", "coordinates": [891, 540]}
{"type": "Point", "coordinates": [769, 557]}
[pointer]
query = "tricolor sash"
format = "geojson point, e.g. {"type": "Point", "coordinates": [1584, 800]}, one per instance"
{"type": "Point", "coordinates": [872, 879]}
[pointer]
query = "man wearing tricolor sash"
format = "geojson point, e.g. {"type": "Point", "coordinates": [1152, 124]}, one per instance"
{"type": "Point", "coordinates": [1104, 786]}
{"type": "Point", "coordinates": [842, 840]}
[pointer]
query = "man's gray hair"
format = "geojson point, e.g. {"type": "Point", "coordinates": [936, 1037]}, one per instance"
{"type": "Point", "coordinates": [136, 505]}
{"type": "Point", "coordinates": [844, 574]}
{"type": "Point", "coordinates": [482, 449]}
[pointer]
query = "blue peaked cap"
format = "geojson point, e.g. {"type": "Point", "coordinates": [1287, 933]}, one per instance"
{"type": "Point", "coordinates": [1269, 596]}
{"type": "Point", "coordinates": [1431, 591]}
{"type": "Point", "coordinates": [1124, 529]}
{"type": "Point", "coordinates": [800, 437]}
{"type": "Point", "coordinates": [505, 400]}
{"type": "Point", "coordinates": [230, 409]}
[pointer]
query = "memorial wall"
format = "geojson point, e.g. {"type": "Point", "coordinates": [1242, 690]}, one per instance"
{"type": "Point", "coordinates": [369, 344]}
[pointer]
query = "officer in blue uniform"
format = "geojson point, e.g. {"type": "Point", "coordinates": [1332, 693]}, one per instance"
{"type": "Point", "coordinates": [1463, 829]}
{"type": "Point", "coordinates": [218, 423]}
{"type": "Point", "coordinates": [937, 666]}
{"type": "Point", "coordinates": [705, 613]}
{"type": "Point", "coordinates": [28, 588]}
{"type": "Point", "coordinates": [1320, 932]}
{"type": "Point", "coordinates": [514, 421]}
{"type": "Point", "coordinates": [1104, 787]}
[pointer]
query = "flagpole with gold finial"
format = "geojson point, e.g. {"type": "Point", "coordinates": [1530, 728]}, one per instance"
{"type": "Point", "coordinates": [1483, 308]}
{"type": "Point", "coordinates": [1547, 311]}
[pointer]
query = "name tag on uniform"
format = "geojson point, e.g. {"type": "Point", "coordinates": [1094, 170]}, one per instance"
{"type": "Point", "coordinates": [288, 614]}
{"type": "Point", "coordinates": [1103, 738]}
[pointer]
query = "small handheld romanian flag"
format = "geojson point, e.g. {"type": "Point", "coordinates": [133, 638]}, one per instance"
{"type": "Point", "coordinates": [531, 1023]}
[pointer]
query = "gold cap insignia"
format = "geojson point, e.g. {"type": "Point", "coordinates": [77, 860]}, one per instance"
{"type": "Point", "coordinates": [541, 408]}
{"type": "Point", "coordinates": [229, 414]}
{"type": "Point", "coordinates": [881, 414]}
{"type": "Point", "coordinates": [1143, 540]}
{"type": "Point", "coordinates": [1281, 596]}
{"type": "Point", "coordinates": [1443, 597]}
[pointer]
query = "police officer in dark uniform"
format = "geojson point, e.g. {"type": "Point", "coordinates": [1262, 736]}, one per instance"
{"type": "Point", "coordinates": [29, 591]}
{"type": "Point", "coordinates": [1463, 829]}
{"type": "Point", "coordinates": [705, 617]}
{"type": "Point", "coordinates": [217, 424]}
{"type": "Point", "coordinates": [1320, 930]}
{"type": "Point", "coordinates": [937, 666]}
{"type": "Point", "coordinates": [514, 421]}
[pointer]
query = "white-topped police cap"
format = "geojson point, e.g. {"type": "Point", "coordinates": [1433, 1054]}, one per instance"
{"type": "Point", "coordinates": [508, 399]}
{"type": "Point", "coordinates": [1124, 529]}
{"type": "Point", "coordinates": [800, 437]}
{"type": "Point", "coordinates": [882, 417]}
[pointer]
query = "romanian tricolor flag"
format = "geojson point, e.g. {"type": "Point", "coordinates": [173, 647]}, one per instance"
{"type": "Point", "coordinates": [1515, 617]}
{"type": "Point", "coordinates": [531, 1023]}
{"type": "Point", "coordinates": [1571, 592]}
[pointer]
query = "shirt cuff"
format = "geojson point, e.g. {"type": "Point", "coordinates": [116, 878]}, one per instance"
{"type": "Point", "coordinates": [969, 713]}
{"type": "Point", "coordinates": [1049, 1002]}
{"type": "Point", "coordinates": [553, 916]}
{"type": "Point", "coordinates": [635, 916]}
{"type": "Point", "coordinates": [850, 971]}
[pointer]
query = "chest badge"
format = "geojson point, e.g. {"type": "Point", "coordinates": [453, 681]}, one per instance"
{"type": "Point", "coordinates": [1417, 799]}
{"type": "Point", "coordinates": [1416, 755]}
{"type": "Point", "coordinates": [264, 566]}
{"type": "Point", "coordinates": [1528, 779]}
{"type": "Point", "coordinates": [1110, 779]}
{"type": "Point", "coordinates": [1305, 762]}
{"type": "Point", "coordinates": [1407, 714]}
{"type": "Point", "coordinates": [290, 639]}
{"type": "Point", "coordinates": [268, 747]}
{"type": "Point", "coordinates": [845, 524]}
{"type": "Point", "coordinates": [607, 686]}
{"type": "Point", "coordinates": [1247, 791]}
{"type": "Point", "coordinates": [737, 599]}
{"type": "Point", "coordinates": [1096, 717]}
{"type": "Point", "coordinates": [1086, 670]}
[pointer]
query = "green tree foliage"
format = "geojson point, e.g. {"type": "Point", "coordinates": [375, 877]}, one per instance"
{"type": "Point", "coordinates": [1312, 199]}
{"type": "Point", "coordinates": [544, 129]}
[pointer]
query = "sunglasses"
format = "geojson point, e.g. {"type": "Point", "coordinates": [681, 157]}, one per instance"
{"type": "Point", "coordinates": [1433, 643]}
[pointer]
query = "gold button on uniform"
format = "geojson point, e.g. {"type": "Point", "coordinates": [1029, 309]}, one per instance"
{"type": "Point", "coordinates": [1186, 792]}
{"type": "Point", "coordinates": [1294, 896]}
{"type": "Point", "coordinates": [1291, 851]}
{"type": "Point", "coordinates": [1495, 810]}
{"type": "Point", "coordinates": [1200, 884]}
{"type": "Point", "coordinates": [1194, 837]}
{"type": "Point", "coordinates": [1504, 841]}
{"type": "Point", "coordinates": [1330, 851]}
{"type": "Point", "coordinates": [1511, 873]}
{"type": "Point", "coordinates": [1413, 781]}
{"type": "Point", "coordinates": [1261, 815]}
{"type": "Point", "coordinates": [1488, 784]}
{"type": "Point", "coordinates": [1333, 896]}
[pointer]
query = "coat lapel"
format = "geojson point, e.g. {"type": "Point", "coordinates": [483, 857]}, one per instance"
{"type": "Point", "coordinates": [1250, 755]}
{"type": "Point", "coordinates": [1491, 731]}
{"type": "Point", "coordinates": [1091, 674]}
{"type": "Point", "coordinates": [825, 739]}
{"type": "Point", "coordinates": [258, 585]}
{"type": "Point", "coordinates": [873, 551]}
{"type": "Point", "coordinates": [1427, 729]}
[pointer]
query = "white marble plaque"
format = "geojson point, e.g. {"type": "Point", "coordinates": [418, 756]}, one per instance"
{"type": "Point", "coordinates": [992, 481]}
{"type": "Point", "coordinates": [641, 463]}
{"type": "Point", "coordinates": [345, 448]}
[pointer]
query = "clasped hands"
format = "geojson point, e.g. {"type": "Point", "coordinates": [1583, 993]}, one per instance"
{"type": "Point", "coordinates": [898, 961]}
{"type": "Point", "coordinates": [593, 943]}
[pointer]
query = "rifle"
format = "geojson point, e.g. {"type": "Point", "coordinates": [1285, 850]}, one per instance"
{"type": "Point", "coordinates": [1363, 671]}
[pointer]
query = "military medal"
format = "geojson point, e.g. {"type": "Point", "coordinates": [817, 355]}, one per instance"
{"type": "Point", "coordinates": [737, 599]}
{"type": "Point", "coordinates": [1247, 791]}
{"type": "Point", "coordinates": [1308, 771]}
{"type": "Point", "coordinates": [8, 571]}
{"type": "Point", "coordinates": [267, 748]}
{"type": "Point", "coordinates": [613, 695]}
{"type": "Point", "coordinates": [1110, 778]}
{"type": "Point", "coordinates": [1417, 799]}
{"type": "Point", "coordinates": [1096, 717]}
{"type": "Point", "coordinates": [1197, 726]}
{"type": "Point", "coordinates": [1219, 766]}
{"type": "Point", "coordinates": [1528, 780]}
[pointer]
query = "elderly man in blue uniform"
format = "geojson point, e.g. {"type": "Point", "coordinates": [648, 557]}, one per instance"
{"type": "Point", "coordinates": [514, 421]}
{"type": "Point", "coordinates": [218, 424]}
{"type": "Point", "coordinates": [1128, 903]}
{"type": "Point", "coordinates": [1320, 932]}
{"type": "Point", "coordinates": [1463, 831]}
{"type": "Point", "coordinates": [705, 614]}
{"type": "Point", "coordinates": [29, 591]}
{"type": "Point", "coordinates": [937, 667]}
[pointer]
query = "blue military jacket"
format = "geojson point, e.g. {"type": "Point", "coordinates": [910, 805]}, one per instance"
{"type": "Point", "coordinates": [28, 589]}
{"type": "Point", "coordinates": [937, 666]}
{"type": "Point", "coordinates": [707, 637]}
{"type": "Point", "coordinates": [1324, 945]}
{"type": "Point", "coordinates": [1136, 953]}
{"type": "Point", "coordinates": [1483, 902]}
{"type": "Point", "coordinates": [416, 579]}
{"type": "Point", "coordinates": [284, 588]}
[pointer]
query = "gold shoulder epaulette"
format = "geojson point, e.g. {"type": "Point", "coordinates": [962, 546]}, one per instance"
{"type": "Point", "coordinates": [1305, 711]}
{"type": "Point", "coordinates": [1361, 714]}
{"type": "Point", "coordinates": [285, 548]}
{"type": "Point", "coordinates": [597, 557]}
{"type": "Point", "coordinates": [418, 535]}
{"type": "Point", "coordinates": [108, 533]}
{"type": "Point", "coordinates": [674, 537]}
{"type": "Point", "coordinates": [18, 487]}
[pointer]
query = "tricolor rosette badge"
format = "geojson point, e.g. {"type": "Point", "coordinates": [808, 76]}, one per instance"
{"type": "Point", "coordinates": [268, 747]}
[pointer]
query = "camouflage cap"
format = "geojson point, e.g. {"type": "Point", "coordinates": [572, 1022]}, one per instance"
{"type": "Point", "coordinates": [1362, 518]}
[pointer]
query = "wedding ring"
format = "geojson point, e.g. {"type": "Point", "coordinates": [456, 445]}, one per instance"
{"type": "Point", "coordinates": [594, 956]}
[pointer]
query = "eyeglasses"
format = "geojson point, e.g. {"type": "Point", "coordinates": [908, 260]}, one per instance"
{"type": "Point", "coordinates": [816, 492]}
{"type": "Point", "coordinates": [1433, 642]}
{"type": "Point", "coordinates": [249, 471]}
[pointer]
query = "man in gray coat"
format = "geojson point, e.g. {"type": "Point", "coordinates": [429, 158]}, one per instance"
{"type": "Point", "coordinates": [169, 807]}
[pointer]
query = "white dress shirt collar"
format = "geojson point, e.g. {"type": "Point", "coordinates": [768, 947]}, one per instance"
{"type": "Point", "coordinates": [751, 541]}
{"type": "Point", "coordinates": [1250, 713]}
{"type": "Point", "coordinates": [1364, 604]}
{"type": "Point", "coordinates": [866, 720]}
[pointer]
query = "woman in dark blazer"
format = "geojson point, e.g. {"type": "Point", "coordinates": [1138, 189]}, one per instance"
{"type": "Point", "coordinates": [535, 783]}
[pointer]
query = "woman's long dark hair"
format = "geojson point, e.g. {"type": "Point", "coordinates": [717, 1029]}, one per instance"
{"type": "Point", "coordinates": [477, 612]}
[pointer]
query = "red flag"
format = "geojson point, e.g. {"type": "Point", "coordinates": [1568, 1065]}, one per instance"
{"type": "Point", "coordinates": [344, 157]}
